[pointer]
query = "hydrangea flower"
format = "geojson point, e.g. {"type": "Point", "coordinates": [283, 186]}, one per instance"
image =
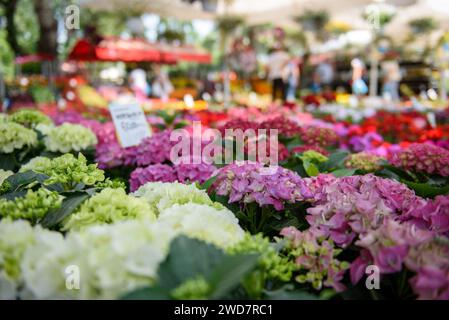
{"type": "Point", "coordinates": [152, 173]}
{"type": "Point", "coordinates": [15, 237]}
{"type": "Point", "coordinates": [112, 260]}
{"type": "Point", "coordinates": [364, 161]}
{"type": "Point", "coordinates": [285, 127]}
{"type": "Point", "coordinates": [30, 118]}
{"type": "Point", "coordinates": [33, 206]}
{"type": "Point", "coordinates": [271, 263]}
{"type": "Point", "coordinates": [316, 259]}
{"type": "Point", "coordinates": [252, 182]}
{"type": "Point", "coordinates": [194, 172]}
{"type": "Point", "coordinates": [111, 155]}
{"type": "Point", "coordinates": [66, 169]}
{"type": "Point", "coordinates": [161, 196]}
{"type": "Point", "coordinates": [216, 226]}
{"type": "Point", "coordinates": [431, 215]}
{"type": "Point", "coordinates": [322, 137]}
{"type": "Point", "coordinates": [69, 137]}
{"type": "Point", "coordinates": [155, 149]}
{"type": "Point", "coordinates": [192, 289]}
{"type": "Point", "coordinates": [14, 136]}
{"type": "Point", "coordinates": [389, 244]}
{"type": "Point", "coordinates": [4, 175]}
{"type": "Point", "coordinates": [106, 207]}
{"type": "Point", "coordinates": [304, 148]}
{"type": "Point", "coordinates": [366, 142]}
{"type": "Point", "coordinates": [423, 157]}
{"type": "Point", "coordinates": [347, 206]}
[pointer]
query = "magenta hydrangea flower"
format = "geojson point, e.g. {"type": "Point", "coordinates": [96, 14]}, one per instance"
{"type": "Point", "coordinates": [155, 149]}
{"type": "Point", "coordinates": [432, 215]}
{"type": "Point", "coordinates": [431, 283]}
{"type": "Point", "coordinates": [423, 157]}
{"type": "Point", "coordinates": [347, 206]}
{"type": "Point", "coordinates": [112, 155]}
{"type": "Point", "coordinates": [367, 142]}
{"type": "Point", "coordinates": [188, 173]}
{"type": "Point", "coordinates": [152, 173]}
{"type": "Point", "coordinates": [249, 182]}
{"type": "Point", "coordinates": [318, 136]}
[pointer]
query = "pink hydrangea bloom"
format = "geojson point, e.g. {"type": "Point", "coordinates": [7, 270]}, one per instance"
{"type": "Point", "coordinates": [423, 157]}
{"type": "Point", "coordinates": [155, 149]}
{"type": "Point", "coordinates": [152, 173]}
{"type": "Point", "coordinates": [316, 259]}
{"type": "Point", "coordinates": [194, 172]}
{"type": "Point", "coordinates": [252, 182]}
{"type": "Point", "coordinates": [347, 206]}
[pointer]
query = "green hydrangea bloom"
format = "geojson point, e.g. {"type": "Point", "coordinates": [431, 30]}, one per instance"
{"type": "Point", "coordinates": [66, 169]}
{"type": "Point", "coordinates": [106, 207]}
{"type": "Point", "coordinates": [193, 289]}
{"type": "Point", "coordinates": [3, 117]}
{"type": "Point", "coordinates": [69, 137]}
{"type": "Point", "coordinates": [4, 175]}
{"type": "Point", "coordinates": [162, 195]}
{"type": "Point", "coordinates": [272, 264]}
{"type": "Point", "coordinates": [33, 206]}
{"type": "Point", "coordinates": [15, 237]}
{"type": "Point", "coordinates": [364, 161]}
{"type": "Point", "coordinates": [14, 136]}
{"type": "Point", "coordinates": [30, 118]}
{"type": "Point", "coordinates": [108, 183]}
{"type": "Point", "coordinates": [314, 156]}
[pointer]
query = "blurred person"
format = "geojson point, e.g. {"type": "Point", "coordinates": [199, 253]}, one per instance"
{"type": "Point", "coordinates": [139, 84]}
{"type": "Point", "coordinates": [291, 78]}
{"type": "Point", "coordinates": [391, 77]}
{"type": "Point", "coordinates": [162, 86]}
{"type": "Point", "coordinates": [325, 73]}
{"type": "Point", "coordinates": [277, 61]}
{"type": "Point", "coordinates": [359, 86]}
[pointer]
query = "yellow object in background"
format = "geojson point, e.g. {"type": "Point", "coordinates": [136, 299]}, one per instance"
{"type": "Point", "coordinates": [91, 98]}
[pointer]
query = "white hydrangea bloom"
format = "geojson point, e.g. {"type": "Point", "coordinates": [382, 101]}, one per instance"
{"type": "Point", "coordinates": [216, 226]}
{"type": "Point", "coordinates": [69, 137]}
{"type": "Point", "coordinates": [162, 195]}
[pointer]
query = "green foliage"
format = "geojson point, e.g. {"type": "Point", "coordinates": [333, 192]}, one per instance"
{"type": "Point", "coordinates": [423, 26]}
{"type": "Point", "coordinates": [209, 273]}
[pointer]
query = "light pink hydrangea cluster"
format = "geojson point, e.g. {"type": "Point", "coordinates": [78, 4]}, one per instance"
{"type": "Point", "coordinates": [185, 173]}
{"type": "Point", "coordinates": [394, 245]}
{"type": "Point", "coordinates": [249, 182]}
{"type": "Point", "coordinates": [423, 157]}
{"type": "Point", "coordinates": [316, 259]}
{"type": "Point", "coordinates": [347, 206]}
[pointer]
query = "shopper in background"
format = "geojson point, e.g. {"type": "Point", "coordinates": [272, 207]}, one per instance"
{"type": "Point", "coordinates": [291, 77]}
{"type": "Point", "coordinates": [139, 84]}
{"type": "Point", "coordinates": [162, 86]}
{"type": "Point", "coordinates": [359, 86]}
{"type": "Point", "coordinates": [277, 61]}
{"type": "Point", "coordinates": [391, 77]}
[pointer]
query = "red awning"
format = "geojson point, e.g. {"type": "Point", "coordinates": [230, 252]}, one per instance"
{"type": "Point", "coordinates": [136, 50]}
{"type": "Point", "coordinates": [34, 58]}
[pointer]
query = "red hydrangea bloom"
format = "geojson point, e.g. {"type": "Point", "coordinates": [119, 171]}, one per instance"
{"type": "Point", "coordinates": [285, 127]}
{"type": "Point", "coordinates": [318, 136]}
{"type": "Point", "coordinates": [423, 157]}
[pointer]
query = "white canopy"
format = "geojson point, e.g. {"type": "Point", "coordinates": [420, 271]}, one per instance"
{"type": "Point", "coordinates": [281, 12]}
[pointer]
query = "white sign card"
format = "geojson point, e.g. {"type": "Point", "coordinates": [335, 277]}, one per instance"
{"type": "Point", "coordinates": [130, 123]}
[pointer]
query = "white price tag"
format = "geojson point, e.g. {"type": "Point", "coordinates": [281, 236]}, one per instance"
{"type": "Point", "coordinates": [130, 123]}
